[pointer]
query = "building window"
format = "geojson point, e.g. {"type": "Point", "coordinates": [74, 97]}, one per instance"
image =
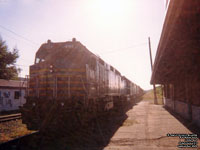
{"type": "Point", "coordinates": [17, 94]}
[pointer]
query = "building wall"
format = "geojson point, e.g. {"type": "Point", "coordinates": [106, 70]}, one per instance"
{"type": "Point", "coordinates": [169, 103]}
{"type": "Point", "coordinates": [10, 99]}
{"type": "Point", "coordinates": [189, 112]}
{"type": "Point", "coordinates": [196, 115]}
{"type": "Point", "coordinates": [182, 109]}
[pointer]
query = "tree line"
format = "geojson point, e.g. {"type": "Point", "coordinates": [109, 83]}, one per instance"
{"type": "Point", "coordinates": [8, 69]}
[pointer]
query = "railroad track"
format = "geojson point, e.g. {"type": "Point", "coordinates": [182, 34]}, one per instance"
{"type": "Point", "coordinates": [10, 117]}
{"type": "Point", "coordinates": [18, 143]}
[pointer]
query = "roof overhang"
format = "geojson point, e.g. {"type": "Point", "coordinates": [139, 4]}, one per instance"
{"type": "Point", "coordinates": [178, 52]}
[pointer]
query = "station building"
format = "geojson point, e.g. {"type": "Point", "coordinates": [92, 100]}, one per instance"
{"type": "Point", "coordinates": [177, 61]}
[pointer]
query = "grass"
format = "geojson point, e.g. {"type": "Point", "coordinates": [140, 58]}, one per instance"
{"type": "Point", "coordinates": [129, 122]}
{"type": "Point", "coordinates": [149, 95]}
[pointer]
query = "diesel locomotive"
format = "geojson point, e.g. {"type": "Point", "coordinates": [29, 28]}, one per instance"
{"type": "Point", "coordinates": [70, 85]}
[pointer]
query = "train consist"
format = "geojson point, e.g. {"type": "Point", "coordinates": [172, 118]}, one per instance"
{"type": "Point", "coordinates": [69, 83]}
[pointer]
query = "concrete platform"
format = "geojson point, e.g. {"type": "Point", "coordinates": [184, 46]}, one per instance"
{"type": "Point", "coordinates": [147, 127]}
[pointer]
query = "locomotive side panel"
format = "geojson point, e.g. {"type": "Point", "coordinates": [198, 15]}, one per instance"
{"type": "Point", "coordinates": [91, 76]}
{"type": "Point", "coordinates": [114, 82]}
{"type": "Point", "coordinates": [102, 78]}
{"type": "Point", "coordinates": [123, 86]}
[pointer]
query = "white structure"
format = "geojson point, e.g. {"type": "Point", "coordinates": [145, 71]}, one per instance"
{"type": "Point", "coordinates": [12, 94]}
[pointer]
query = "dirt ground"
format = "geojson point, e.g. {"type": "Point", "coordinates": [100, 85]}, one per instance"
{"type": "Point", "coordinates": [12, 129]}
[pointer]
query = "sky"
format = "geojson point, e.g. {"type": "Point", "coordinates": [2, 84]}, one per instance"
{"type": "Point", "coordinates": [115, 30]}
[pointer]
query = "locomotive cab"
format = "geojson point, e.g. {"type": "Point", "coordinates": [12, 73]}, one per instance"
{"type": "Point", "coordinates": [59, 71]}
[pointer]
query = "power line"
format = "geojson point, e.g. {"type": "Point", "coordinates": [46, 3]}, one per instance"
{"type": "Point", "coordinates": [31, 42]}
{"type": "Point", "coordinates": [6, 35]}
{"type": "Point", "coordinates": [116, 50]}
{"type": "Point", "coordinates": [22, 37]}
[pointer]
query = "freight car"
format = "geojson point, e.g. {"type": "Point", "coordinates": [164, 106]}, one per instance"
{"type": "Point", "coordinates": [69, 81]}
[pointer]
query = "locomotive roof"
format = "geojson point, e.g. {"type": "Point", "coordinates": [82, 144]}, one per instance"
{"type": "Point", "coordinates": [47, 50]}
{"type": "Point", "coordinates": [51, 46]}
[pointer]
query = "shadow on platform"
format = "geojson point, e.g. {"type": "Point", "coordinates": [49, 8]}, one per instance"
{"type": "Point", "coordinates": [95, 137]}
{"type": "Point", "coordinates": [189, 125]}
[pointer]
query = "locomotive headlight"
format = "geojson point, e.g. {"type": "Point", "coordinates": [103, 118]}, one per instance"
{"type": "Point", "coordinates": [33, 104]}
{"type": "Point", "coordinates": [62, 104]}
{"type": "Point", "coordinates": [51, 68]}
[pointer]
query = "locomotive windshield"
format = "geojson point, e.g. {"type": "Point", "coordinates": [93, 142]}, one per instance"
{"type": "Point", "coordinates": [38, 60]}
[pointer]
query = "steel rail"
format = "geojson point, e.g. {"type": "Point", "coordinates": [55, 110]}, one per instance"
{"type": "Point", "coordinates": [6, 118]}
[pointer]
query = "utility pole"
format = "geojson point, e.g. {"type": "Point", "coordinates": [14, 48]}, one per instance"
{"type": "Point", "coordinates": [154, 87]}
